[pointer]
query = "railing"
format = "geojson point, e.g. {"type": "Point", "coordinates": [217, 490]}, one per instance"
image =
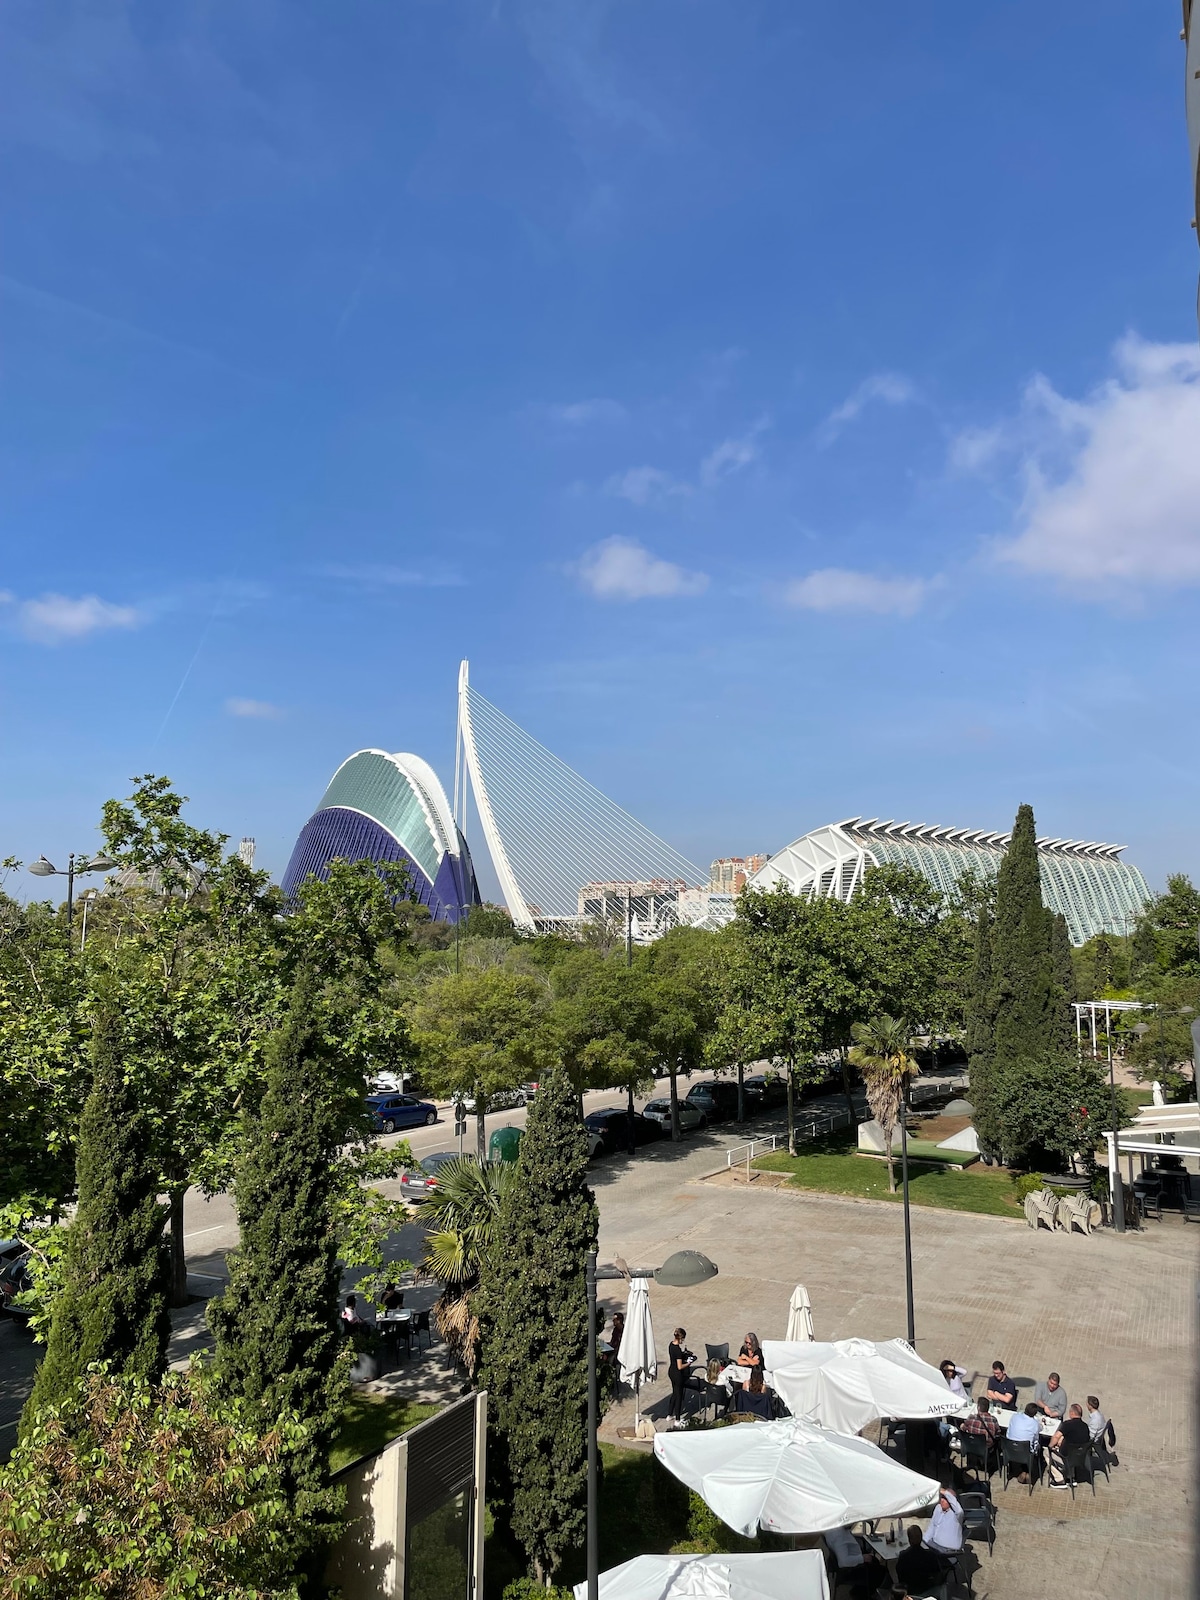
{"type": "Point", "coordinates": [747, 1152]}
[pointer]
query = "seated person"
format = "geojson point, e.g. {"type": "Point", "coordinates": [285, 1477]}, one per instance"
{"type": "Point", "coordinates": [944, 1535]}
{"type": "Point", "coordinates": [350, 1313]}
{"type": "Point", "coordinates": [1000, 1389]}
{"type": "Point", "coordinates": [856, 1564]}
{"type": "Point", "coordinates": [750, 1355]}
{"type": "Point", "coordinates": [1072, 1434]}
{"type": "Point", "coordinates": [981, 1424]}
{"type": "Point", "coordinates": [1023, 1428]}
{"type": "Point", "coordinates": [393, 1299]}
{"type": "Point", "coordinates": [753, 1396]}
{"type": "Point", "coordinates": [1096, 1420]}
{"type": "Point", "coordinates": [918, 1569]}
{"type": "Point", "coordinates": [954, 1374]}
{"type": "Point", "coordinates": [1050, 1397]}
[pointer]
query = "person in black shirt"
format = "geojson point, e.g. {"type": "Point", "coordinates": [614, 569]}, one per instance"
{"type": "Point", "coordinates": [680, 1362]}
{"type": "Point", "coordinates": [1073, 1434]}
{"type": "Point", "coordinates": [1000, 1389]}
{"type": "Point", "coordinates": [918, 1568]}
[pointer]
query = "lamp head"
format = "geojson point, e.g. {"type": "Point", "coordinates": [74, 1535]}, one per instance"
{"type": "Point", "coordinates": [100, 863]}
{"type": "Point", "coordinates": [684, 1270]}
{"type": "Point", "coordinates": [41, 868]}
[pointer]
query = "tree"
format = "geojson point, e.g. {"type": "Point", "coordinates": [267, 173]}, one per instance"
{"type": "Point", "coordinates": [533, 1317]}
{"type": "Point", "coordinates": [462, 1219]}
{"type": "Point", "coordinates": [980, 1037]}
{"type": "Point", "coordinates": [1022, 981]}
{"type": "Point", "coordinates": [112, 1307]}
{"type": "Point", "coordinates": [276, 1325]}
{"type": "Point", "coordinates": [683, 995]}
{"type": "Point", "coordinates": [480, 1032]}
{"type": "Point", "coordinates": [125, 1487]}
{"type": "Point", "coordinates": [1062, 997]}
{"type": "Point", "coordinates": [601, 1021]}
{"type": "Point", "coordinates": [881, 1054]}
{"type": "Point", "coordinates": [1055, 1106]}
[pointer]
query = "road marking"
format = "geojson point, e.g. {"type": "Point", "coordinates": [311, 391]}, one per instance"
{"type": "Point", "coordinates": [216, 1228]}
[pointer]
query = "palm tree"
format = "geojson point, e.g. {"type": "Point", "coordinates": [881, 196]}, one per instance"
{"type": "Point", "coordinates": [461, 1218]}
{"type": "Point", "coordinates": [881, 1055]}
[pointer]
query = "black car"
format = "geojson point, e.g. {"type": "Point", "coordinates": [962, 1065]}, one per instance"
{"type": "Point", "coordinates": [769, 1091]}
{"type": "Point", "coordinates": [611, 1127]}
{"type": "Point", "coordinates": [718, 1101]}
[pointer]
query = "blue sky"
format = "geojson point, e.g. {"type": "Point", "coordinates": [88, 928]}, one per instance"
{"type": "Point", "coordinates": [792, 411]}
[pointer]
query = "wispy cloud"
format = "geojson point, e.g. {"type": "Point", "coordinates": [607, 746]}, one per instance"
{"type": "Point", "coordinates": [887, 388]}
{"type": "Point", "coordinates": [59, 618]}
{"type": "Point", "coordinates": [731, 455]}
{"type": "Point", "coordinates": [262, 710]}
{"type": "Point", "coordinates": [580, 413]}
{"type": "Point", "coordinates": [647, 486]}
{"type": "Point", "coordinates": [381, 575]}
{"type": "Point", "coordinates": [839, 589]}
{"type": "Point", "coordinates": [622, 569]}
{"type": "Point", "coordinates": [1110, 484]}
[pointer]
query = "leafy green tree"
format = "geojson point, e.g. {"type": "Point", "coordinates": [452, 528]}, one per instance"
{"type": "Point", "coordinates": [980, 1037]}
{"type": "Point", "coordinates": [1062, 996]}
{"type": "Point", "coordinates": [278, 1346]}
{"type": "Point", "coordinates": [600, 1022]}
{"type": "Point", "coordinates": [533, 1316]}
{"type": "Point", "coordinates": [1053, 1107]}
{"type": "Point", "coordinates": [881, 1054]}
{"type": "Point", "coordinates": [129, 1488]}
{"type": "Point", "coordinates": [683, 995]}
{"type": "Point", "coordinates": [1022, 977]}
{"type": "Point", "coordinates": [112, 1306]}
{"type": "Point", "coordinates": [462, 1221]}
{"type": "Point", "coordinates": [480, 1032]}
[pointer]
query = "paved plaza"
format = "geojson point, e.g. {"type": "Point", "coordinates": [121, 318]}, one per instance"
{"type": "Point", "coordinates": [1115, 1316]}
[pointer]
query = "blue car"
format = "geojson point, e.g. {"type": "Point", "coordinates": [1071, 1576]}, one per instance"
{"type": "Point", "coordinates": [392, 1111]}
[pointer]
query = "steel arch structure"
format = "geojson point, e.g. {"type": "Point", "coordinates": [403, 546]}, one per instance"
{"type": "Point", "coordinates": [548, 829]}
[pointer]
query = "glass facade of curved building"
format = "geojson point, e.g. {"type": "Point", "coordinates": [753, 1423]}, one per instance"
{"type": "Point", "coordinates": [1094, 889]}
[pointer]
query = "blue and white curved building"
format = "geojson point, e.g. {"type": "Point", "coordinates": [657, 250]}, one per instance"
{"type": "Point", "coordinates": [381, 807]}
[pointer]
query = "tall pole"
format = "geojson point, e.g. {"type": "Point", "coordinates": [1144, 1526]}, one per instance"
{"type": "Point", "coordinates": [593, 1423]}
{"type": "Point", "coordinates": [1117, 1197]}
{"type": "Point", "coordinates": [629, 927]}
{"type": "Point", "coordinates": [70, 897]}
{"type": "Point", "coordinates": [908, 1283]}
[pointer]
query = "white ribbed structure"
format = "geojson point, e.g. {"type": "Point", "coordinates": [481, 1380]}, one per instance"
{"type": "Point", "coordinates": [549, 831]}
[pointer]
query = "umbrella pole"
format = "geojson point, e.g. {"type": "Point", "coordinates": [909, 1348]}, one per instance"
{"type": "Point", "coordinates": [637, 1398]}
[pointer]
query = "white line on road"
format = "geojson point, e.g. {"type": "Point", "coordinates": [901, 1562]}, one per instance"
{"type": "Point", "coordinates": [216, 1228]}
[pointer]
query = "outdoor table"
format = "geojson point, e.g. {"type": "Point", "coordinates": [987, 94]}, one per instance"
{"type": "Point", "coordinates": [735, 1374]}
{"type": "Point", "coordinates": [886, 1549]}
{"type": "Point", "coordinates": [1047, 1426]}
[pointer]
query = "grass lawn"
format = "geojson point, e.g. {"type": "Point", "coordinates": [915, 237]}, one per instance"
{"type": "Point", "coordinates": [370, 1421]}
{"type": "Point", "coordinates": [832, 1166]}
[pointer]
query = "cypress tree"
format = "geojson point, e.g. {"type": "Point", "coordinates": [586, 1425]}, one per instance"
{"type": "Point", "coordinates": [1021, 971]}
{"type": "Point", "coordinates": [533, 1321]}
{"type": "Point", "coordinates": [980, 1043]}
{"type": "Point", "coordinates": [1062, 968]}
{"type": "Point", "coordinates": [113, 1302]}
{"type": "Point", "coordinates": [276, 1325]}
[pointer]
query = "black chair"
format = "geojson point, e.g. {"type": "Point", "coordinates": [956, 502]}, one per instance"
{"type": "Point", "coordinates": [979, 1516]}
{"type": "Point", "coordinates": [1018, 1455]}
{"type": "Point", "coordinates": [895, 1438]}
{"type": "Point", "coordinates": [717, 1396]}
{"type": "Point", "coordinates": [420, 1325]}
{"type": "Point", "coordinates": [976, 1452]}
{"type": "Point", "coordinates": [717, 1352]}
{"type": "Point", "coordinates": [1076, 1465]}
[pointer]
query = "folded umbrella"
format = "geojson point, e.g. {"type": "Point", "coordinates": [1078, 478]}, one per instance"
{"type": "Point", "coordinates": [792, 1477]}
{"type": "Point", "coordinates": [800, 1322]}
{"type": "Point", "coordinates": [637, 1355]}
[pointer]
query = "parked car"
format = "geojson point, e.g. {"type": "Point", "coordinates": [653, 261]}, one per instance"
{"type": "Point", "coordinates": [690, 1117]}
{"type": "Point", "coordinates": [392, 1111]}
{"type": "Point", "coordinates": [390, 1082]}
{"type": "Point", "coordinates": [14, 1279]}
{"type": "Point", "coordinates": [502, 1100]}
{"type": "Point", "coordinates": [769, 1091]}
{"type": "Point", "coordinates": [419, 1182]}
{"type": "Point", "coordinates": [718, 1101]}
{"type": "Point", "coordinates": [611, 1125]}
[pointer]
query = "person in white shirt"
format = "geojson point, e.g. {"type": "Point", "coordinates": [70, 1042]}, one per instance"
{"type": "Point", "coordinates": [844, 1548]}
{"type": "Point", "coordinates": [945, 1531]}
{"type": "Point", "coordinates": [1024, 1428]}
{"type": "Point", "coordinates": [954, 1375]}
{"type": "Point", "coordinates": [1096, 1420]}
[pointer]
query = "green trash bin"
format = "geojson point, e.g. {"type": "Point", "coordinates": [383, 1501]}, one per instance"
{"type": "Point", "coordinates": [505, 1144]}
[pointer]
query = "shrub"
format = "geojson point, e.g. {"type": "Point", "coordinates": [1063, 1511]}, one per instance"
{"type": "Point", "coordinates": [531, 1589]}
{"type": "Point", "coordinates": [1028, 1183]}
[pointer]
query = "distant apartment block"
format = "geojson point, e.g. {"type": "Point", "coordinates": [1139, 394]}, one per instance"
{"type": "Point", "coordinates": [729, 874]}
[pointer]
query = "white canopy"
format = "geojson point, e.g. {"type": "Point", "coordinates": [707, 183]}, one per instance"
{"type": "Point", "coordinates": [800, 1322]}
{"type": "Point", "coordinates": [789, 1575]}
{"type": "Point", "coordinates": [637, 1355]}
{"type": "Point", "coordinates": [854, 1382]}
{"type": "Point", "coordinates": [791, 1477]}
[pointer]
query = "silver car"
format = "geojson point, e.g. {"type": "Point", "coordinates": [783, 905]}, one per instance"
{"type": "Point", "coordinates": [689, 1117]}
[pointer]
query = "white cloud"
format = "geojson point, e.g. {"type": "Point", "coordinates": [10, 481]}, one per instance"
{"type": "Point", "coordinates": [1111, 482]}
{"type": "Point", "coordinates": [730, 456]}
{"type": "Point", "coordinates": [889, 388]}
{"type": "Point", "coordinates": [55, 618]}
{"type": "Point", "coordinates": [578, 413]}
{"type": "Point", "coordinates": [838, 589]}
{"type": "Point", "coordinates": [645, 486]}
{"type": "Point", "coordinates": [622, 569]}
{"type": "Point", "coordinates": [263, 710]}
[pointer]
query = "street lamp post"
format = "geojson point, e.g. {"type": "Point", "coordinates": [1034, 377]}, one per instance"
{"type": "Point", "coordinates": [41, 868]}
{"type": "Point", "coordinates": [908, 1283]}
{"type": "Point", "coordinates": [683, 1270]}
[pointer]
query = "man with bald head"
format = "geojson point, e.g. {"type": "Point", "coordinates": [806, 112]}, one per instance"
{"type": "Point", "coordinates": [1073, 1434]}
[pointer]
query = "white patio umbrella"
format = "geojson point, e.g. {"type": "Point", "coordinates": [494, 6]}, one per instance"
{"type": "Point", "coordinates": [800, 1322]}
{"type": "Point", "coordinates": [636, 1354]}
{"type": "Point", "coordinates": [788, 1575]}
{"type": "Point", "coordinates": [854, 1382]}
{"type": "Point", "coordinates": [792, 1477]}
